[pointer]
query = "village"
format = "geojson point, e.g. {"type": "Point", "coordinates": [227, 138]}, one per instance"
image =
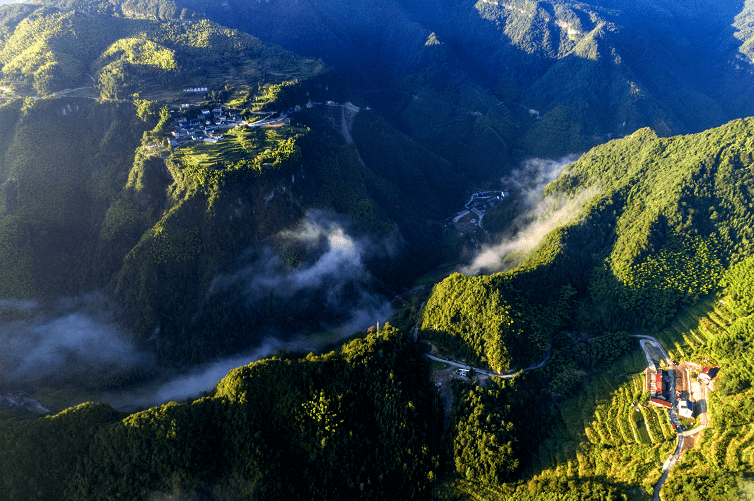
{"type": "Point", "coordinates": [207, 125]}
{"type": "Point", "coordinates": [682, 390]}
{"type": "Point", "coordinates": [477, 205]}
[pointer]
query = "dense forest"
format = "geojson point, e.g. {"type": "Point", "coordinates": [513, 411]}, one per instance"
{"type": "Point", "coordinates": [662, 246]}
{"type": "Point", "coordinates": [47, 50]}
{"type": "Point", "coordinates": [486, 84]}
{"type": "Point", "coordinates": [670, 215]}
{"type": "Point", "coordinates": [354, 423]}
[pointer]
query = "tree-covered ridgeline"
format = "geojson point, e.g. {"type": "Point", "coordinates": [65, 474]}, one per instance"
{"type": "Point", "coordinates": [573, 75]}
{"type": "Point", "coordinates": [483, 440]}
{"type": "Point", "coordinates": [49, 50]}
{"type": "Point", "coordinates": [353, 423]}
{"type": "Point", "coordinates": [94, 197]}
{"type": "Point", "coordinates": [671, 215]}
{"type": "Point", "coordinates": [86, 206]}
{"type": "Point", "coordinates": [667, 233]}
{"type": "Point", "coordinates": [485, 319]}
{"type": "Point", "coordinates": [361, 422]}
{"type": "Point", "coordinates": [569, 430]}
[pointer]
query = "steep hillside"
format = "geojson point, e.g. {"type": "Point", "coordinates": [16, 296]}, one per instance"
{"type": "Point", "coordinates": [172, 218]}
{"type": "Point", "coordinates": [46, 50]}
{"type": "Point", "coordinates": [207, 192]}
{"type": "Point", "coordinates": [660, 224]}
{"type": "Point", "coordinates": [400, 67]}
{"type": "Point", "coordinates": [670, 214]}
{"type": "Point", "coordinates": [660, 246]}
{"type": "Point", "coordinates": [486, 84]}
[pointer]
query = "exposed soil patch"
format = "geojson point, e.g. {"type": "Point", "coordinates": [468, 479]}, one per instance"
{"type": "Point", "coordinates": [689, 441]}
{"type": "Point", "coordinates": [441, 379]}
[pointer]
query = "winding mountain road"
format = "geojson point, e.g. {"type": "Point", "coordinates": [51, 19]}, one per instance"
{"type": "Point", "coordinates": [495, 374]}
{"type": "Point", "coordinates": [652, 349]}
{"type": "Point", "coordinates": [669, 463]}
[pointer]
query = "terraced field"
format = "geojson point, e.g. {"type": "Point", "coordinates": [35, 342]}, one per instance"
{"type": "Point", "coordinates": [688, 336]}
{"type": "Point", "coordinates": [740, 447]}
{"type": "Point", "coordinates": [238, 144]}
{"type": "Point", "coordinates": [606, 432]}
{"type": "Point", "coordinates": [732, 444]}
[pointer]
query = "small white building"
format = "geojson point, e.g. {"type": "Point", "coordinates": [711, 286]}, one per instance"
{"type": "Point", "coordinates": [686, 409]}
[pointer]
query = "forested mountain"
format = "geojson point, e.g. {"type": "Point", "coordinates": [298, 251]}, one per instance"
{"type": "Point", "coordinates": [355, 423]}
{"type": "Point", "coordinates": [644, 246]}
{"type": "Point", "coordinates": [521, 78]}
{"type": "Point", "coordinates": [664, 231]}
{"type": "Point", "coordinates": [94, 198]}
{"type": "Point", "coordinates": [48, 50]}
{"type": "Point", "coordinates": [668, 217]}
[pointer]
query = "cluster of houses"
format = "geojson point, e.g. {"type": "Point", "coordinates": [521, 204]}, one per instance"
{"type": "Point", "coordinates": [196, 89]}
{"type": "Point", "coordinates": [660, 390]}
{"type": "Point", "coordinates": [205, 126]}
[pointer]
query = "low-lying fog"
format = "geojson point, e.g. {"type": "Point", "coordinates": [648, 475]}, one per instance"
{"type": "Point", "coordinates": [76, 339]}
{"type": "Point", "coordinates": [540, 216]}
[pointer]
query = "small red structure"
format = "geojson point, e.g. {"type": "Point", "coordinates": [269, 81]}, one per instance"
{"type": "Point", "coordinates": [708, 373]}
{"type": "Point", "coordinates": [659, 402]}
{"type": "Point", "coordinates": [658, 383]}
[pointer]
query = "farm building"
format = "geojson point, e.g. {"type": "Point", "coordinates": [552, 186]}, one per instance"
{"type": "Point", "coordinates": [659, 402]}
{"type": "Point", "coordinates": [708, 374]}
{"type": "Point", "coordinates": [659, 386]}
{"type": "Point", "coordinates": [686, 409]}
